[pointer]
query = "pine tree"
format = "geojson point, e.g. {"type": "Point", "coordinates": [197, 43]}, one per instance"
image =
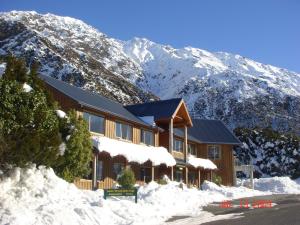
{"type": "Point", "coordinates": [15, 70]}
{"type": "Point", "coordinates": [78, 148]}
{"type": "Point", "coordinates": [30, 128]}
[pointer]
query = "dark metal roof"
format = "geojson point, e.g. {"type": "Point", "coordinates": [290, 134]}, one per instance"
{"type": "Point", "coordinates": [159, 109]}
{"type": "Point", "coordinates": [92, 100]}
{"type": "Point", "coordinates": [180, 133]}
{"type": "Point", "coordinates": [212, 132]}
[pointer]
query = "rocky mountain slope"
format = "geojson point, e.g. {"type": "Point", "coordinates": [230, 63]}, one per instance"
{"type": "Point", "coordinates": [70, 50]}
{"type": "Point", "coordinates": [237, 90]}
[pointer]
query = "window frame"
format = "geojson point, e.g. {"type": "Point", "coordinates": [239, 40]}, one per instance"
{"type": "Point", "coordinates": [143, 131]}
{"type": "Point", "coordinates": [121, 137]}
{"type": "Point", "coordinates": [89, 122]}
{"type": "Point", "coordinates": [174, 145]}
{"type": "Point", "coordinates": [216, 147]}
{"type": "Point", "coordinates": [195, 149]}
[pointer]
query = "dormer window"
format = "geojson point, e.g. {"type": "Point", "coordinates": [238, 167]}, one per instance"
{"type": "Point", "coordinates": [96, 123]}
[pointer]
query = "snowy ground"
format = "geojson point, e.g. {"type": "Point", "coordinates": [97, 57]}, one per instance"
{"type": "Point", "coordinates": [38, 196]}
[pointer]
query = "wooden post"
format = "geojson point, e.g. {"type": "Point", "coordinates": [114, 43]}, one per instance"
{"type": "Point", "coordinates": [186, 175]}
{"type": "Point", "coordinates": [171, 145]}
{"type": "Point", "coordinates": [199, 178]}
{"type": "Point", "coordinates": [94, 172]}
{"type": "Point", "coordinates": [251, 176]}
{"type": "Point", "coordinates": [171, 136]}
{"type": "Point", "coordinates": [152, 173]}
{"type": "Point", "coordinates": [185, 143]}
{"type": "Point", "coordinates": [211, 173]}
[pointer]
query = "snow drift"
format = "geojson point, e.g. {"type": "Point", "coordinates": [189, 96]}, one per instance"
{"type": "Point", "coordinates": [38, 196]}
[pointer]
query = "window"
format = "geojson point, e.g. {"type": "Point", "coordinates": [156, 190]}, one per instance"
{"type": "Point", "coordinates": [117, 169]}
{"type": "Point", "coordinates": [123, 131]}
{"type": "Point", "coordinates": [99, 172]}
{"type": "Point", "coordinates": [147, 137]}
{"type": "Point", "coordinates": [192, 149]}
{"type": "Point", "coordinates": [178, 145]}
{"type": "Point", "coordinates": [214, 152]}
{"type": "Point", "coordinates": [95, 123]}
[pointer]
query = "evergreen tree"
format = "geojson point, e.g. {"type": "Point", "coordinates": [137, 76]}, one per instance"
{"type": "Point", "coordinates": [15, 70]}
{"type": "Point", "coordinates": [77, 154]}
{"type": "Point", "coordinates": [31, 131]}
{"type": "Point", "coordinates": [29, 127]}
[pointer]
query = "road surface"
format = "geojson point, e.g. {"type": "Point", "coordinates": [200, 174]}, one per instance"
{"type": "Point", "coordinates": [285, 210]}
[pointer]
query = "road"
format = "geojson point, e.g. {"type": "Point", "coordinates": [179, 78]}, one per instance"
{"type": "Point", "coordinates": [285, 211]}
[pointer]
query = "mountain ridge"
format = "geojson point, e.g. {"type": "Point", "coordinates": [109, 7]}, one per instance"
{"type": "Point", "coordinates": [215, 85]}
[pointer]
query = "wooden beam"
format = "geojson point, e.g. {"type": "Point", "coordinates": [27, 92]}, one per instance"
{"type": "Point", "coordinates": [186, 175]}
{"type": "Point", "coordinates": [94, 172]}
{"type": "Point", "coordinates": [178, 117]}
{"type": "Point", "coordinates": [152, 173]}
{"type": "Point", "coordinates": [185, 143]}
{"type": "Point", "coordinates": [199, 178]}
{"type": "Point", "coordinates": [171, 136]}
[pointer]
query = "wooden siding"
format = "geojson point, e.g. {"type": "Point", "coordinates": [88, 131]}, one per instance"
{"type": "Point", "coordinates": [64, 101]}
{"type": "Point", "coordinates": [136, 135]}
{"type": "Point", "coordinates": [110, 127]}
{"type": "Point", "coordinates": [225, 164]}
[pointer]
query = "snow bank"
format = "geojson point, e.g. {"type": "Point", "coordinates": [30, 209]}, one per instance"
{"type": "Point", "coordinates": [37, 196]}
{"type": "Point", "coordinates": [27, 88]}
{"type": "Point", "coordinates": [278, 185]}
{"type": "Point", "coordinates": [232, 192]}
{"type": "Point", "coordinates": [199, 162]}
{"type": "Point", "coordinates": [133, 152]}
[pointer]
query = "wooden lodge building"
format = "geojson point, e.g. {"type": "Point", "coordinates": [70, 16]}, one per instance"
{"type": "Point", "coordinates": [154, 139]}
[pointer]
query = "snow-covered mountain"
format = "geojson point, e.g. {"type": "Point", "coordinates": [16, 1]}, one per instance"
{"type": "Point", "coordinates": [218, 85]}
{"type": "Point", "coordinates": [73, 51]}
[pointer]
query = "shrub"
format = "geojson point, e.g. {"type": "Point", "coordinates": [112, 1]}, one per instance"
{"type": "Point", "coordinates": [217, 179]}
{"type": "Point", "coordinates": [126, 178]}
{"type": "Point", "coordinates": [162, 181]}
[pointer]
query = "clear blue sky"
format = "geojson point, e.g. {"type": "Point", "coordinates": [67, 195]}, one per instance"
{"type": "Point", "coordinates": [265, 30]}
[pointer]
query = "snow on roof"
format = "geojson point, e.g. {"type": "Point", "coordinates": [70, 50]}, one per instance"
{"type": "Point", "coordinates": [199, 162]}
{"type": "Point", "coordinates": [134, 152]}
